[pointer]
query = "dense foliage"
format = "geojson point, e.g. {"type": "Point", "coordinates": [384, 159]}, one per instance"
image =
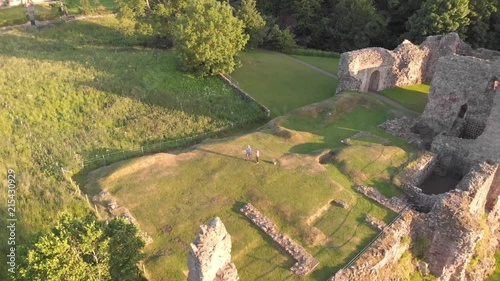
{"type": "Point", "coordinates": [84, 249]}
{"type": "Point", "coordinates": [207, 36]}
{"type": "Point", "coordinates": [340, 25]}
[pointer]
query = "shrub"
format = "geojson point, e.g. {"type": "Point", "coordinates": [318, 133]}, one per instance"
{"type": "Point", "coordinates": [313, 53]}
{"type": "Point", "coordinates": [281, 40]}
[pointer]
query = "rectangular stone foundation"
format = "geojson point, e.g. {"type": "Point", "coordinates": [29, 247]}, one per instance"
{"type": "Point", "coordinates": [305, 261]}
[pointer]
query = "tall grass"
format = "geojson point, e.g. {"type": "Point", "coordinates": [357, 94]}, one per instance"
{"type": "Point", "coordinates": [64, 101]}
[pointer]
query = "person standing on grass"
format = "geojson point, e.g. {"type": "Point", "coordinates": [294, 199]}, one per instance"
{"type": "Point", "coordinates": [30, 10]}
{"type": "Point", "coordinates": [248, 152]}
{"type": "Point", "coordinates": [257, 155]}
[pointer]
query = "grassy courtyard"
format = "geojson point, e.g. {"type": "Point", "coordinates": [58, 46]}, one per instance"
{"type": "Point", "coordinates": [170, 195]}
{"type": "Point", "coordinates": [413, 97]}
{"type": "Point", "coordinates": [281, 83]}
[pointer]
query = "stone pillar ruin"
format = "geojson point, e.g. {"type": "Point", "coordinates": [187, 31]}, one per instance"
{"type": "Point", "coordinates": [210, 254]}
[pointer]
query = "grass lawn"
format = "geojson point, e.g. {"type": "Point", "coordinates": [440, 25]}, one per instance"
{"type": "Point", "coordinates": [281, 84]}
{"type": "Point", "coordinates": [171, 195]}
{"type": "Point", "coordinates": [413, 97]}
{"type": "Point", "coordinates": [64, 101]}
{"type": "Point", "coordinates": [328, 64]}
{"type": "Point", "coordinates": [16, 15]}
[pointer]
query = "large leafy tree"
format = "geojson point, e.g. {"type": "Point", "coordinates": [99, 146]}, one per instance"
{"type": "Point", "coordinates": [207, 37]}
{"type": "Point", "coordinates": [308, 18]}
{"type": "Point", "coordinates": [481, 12]}
{"type": "Point", "coordinates": [80, 249]}
{"type": "Point", "coordinates": [254, 22]}
{"type": "Point", "coordinates": [355, 24]}
{"type": "Point", "coordinates": [439, 17]}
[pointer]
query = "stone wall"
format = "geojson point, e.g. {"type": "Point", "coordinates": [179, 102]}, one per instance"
{"type": "Point", "coordinates": [453, 233]}
{"type": "Point", "coordinates": [210, 255]}
{"type": "Point", "coordinates": [477, 183]}
{"type": "Point", "coordinates": [305, 261]}
{"type": "Point", "coordinates": [458, 81]}
{"type": "Point", "coordinates": [388, 249]}
{"type": "Point", "coordinates": [374, 69]}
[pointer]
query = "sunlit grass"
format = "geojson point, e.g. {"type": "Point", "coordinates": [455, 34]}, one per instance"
{"type": "Point", "coordinates": [413, 97]}
{"type": "Point", "coordinates": [187, 190]}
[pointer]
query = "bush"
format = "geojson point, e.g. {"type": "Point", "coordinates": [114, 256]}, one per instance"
{"type": "Point", "coordinates": [314, 53]}
{"type": "Point", "coordinates": [282, 40]}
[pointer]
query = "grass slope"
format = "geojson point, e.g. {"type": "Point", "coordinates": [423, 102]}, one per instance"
{"type": "Point", "coordinates": [328, 64]}
{"type": "Point", "coordinates": [16, 15]}
{"type": "Point", "coordinates": [172, 194]}
{"type": "Point", "coordinates": [413, 97]}
{"type": "Point", "coordinates": [63, 101]}
{"type": "Point", "coordinates": [280, 83]}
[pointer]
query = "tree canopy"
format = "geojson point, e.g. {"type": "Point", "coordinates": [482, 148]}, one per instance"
{"type": "Point", "coordinates": [83, 249]}
{"type": "Point", "coordinates": [207, 37]}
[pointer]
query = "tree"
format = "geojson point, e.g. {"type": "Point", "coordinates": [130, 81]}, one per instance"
{"type": "Point", "coordinates": [125, 248]}
{"type": "Point", "coordinates": [254, 22]}
{"type": "Point", "coordinates": [207, 36]}
{"type": "Point", "coordinates": [308, 20]}
{"type": "Point", "coordinates": [481, 12]}
{"type": "Point", "coordinates": [355, 24]}
{"type": "Point", "coordinates": [79, 249]}
{"type": "Point", "coordinates": [439, 17]}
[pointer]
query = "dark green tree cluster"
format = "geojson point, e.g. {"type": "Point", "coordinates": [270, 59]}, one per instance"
{"type": "Point", "coordinates": [83, 249]}
{"type": "Point", "coordinates": [341, 25]}
{"type": "Point", "coordinates": [207, 34]}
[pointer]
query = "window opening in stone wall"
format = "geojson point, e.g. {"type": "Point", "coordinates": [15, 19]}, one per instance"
{"type": "Point", "coordinates": [463, 110]}
{"type": "Point", "coordinates": [374, 81]}
{"type": "Point", "coordinates": [472, 129]}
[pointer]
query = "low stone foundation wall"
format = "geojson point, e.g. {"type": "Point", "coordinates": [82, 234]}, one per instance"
{"type": "Point", "coordinates": [244, 95]}
{"type": "Point", "coordinates": [400, 127]}
{"type": "Point", "coordinates": [305, 261]}
{"type": "Point", "coordinates": [394, 203]}
{"type": "Point", "coordinates": [386, 250]}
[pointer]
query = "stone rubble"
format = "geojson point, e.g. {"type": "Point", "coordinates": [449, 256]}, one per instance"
{"type": "Point", "coordinates": [395, 204]}
{"type": "Point", "coordinates": [374, 222]}
{"type": "Point", "coordinates": [305, 261]}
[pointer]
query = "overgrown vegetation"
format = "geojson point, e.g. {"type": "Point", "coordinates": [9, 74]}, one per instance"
{"type": "Point", "coordinates": [79, 248]}
{"type": "Point", "coordinates": [177, 196]}
{"type": "Point", "coordinates": [64, 101]}
{"type": "Point", "coordinates": [346, 25]}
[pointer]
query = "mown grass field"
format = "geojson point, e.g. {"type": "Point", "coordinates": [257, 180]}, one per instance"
{"type": "Point", "coordinates": [328, 64]}
{"type": "Point", "coordinates": [281, 83]}
{"type": "Point", "coordinates": [63, 101]}
{"type": "Point", "coordinates": [172, 194]}
{"type": "Point", "coordinates": [413, 97]}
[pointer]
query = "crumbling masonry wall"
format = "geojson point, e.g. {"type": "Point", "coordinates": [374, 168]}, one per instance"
{"type": "Point", "coordinates": [210, 255]}
{"type": "Point", "coordinates": [375, 69]}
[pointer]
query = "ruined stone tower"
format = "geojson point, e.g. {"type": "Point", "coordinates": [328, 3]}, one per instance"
{"type": "Point", "coordinates": [210, 255]}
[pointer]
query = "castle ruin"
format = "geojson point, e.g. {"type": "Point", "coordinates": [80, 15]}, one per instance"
{"type": "Point", "coordinates": [454, 186]}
